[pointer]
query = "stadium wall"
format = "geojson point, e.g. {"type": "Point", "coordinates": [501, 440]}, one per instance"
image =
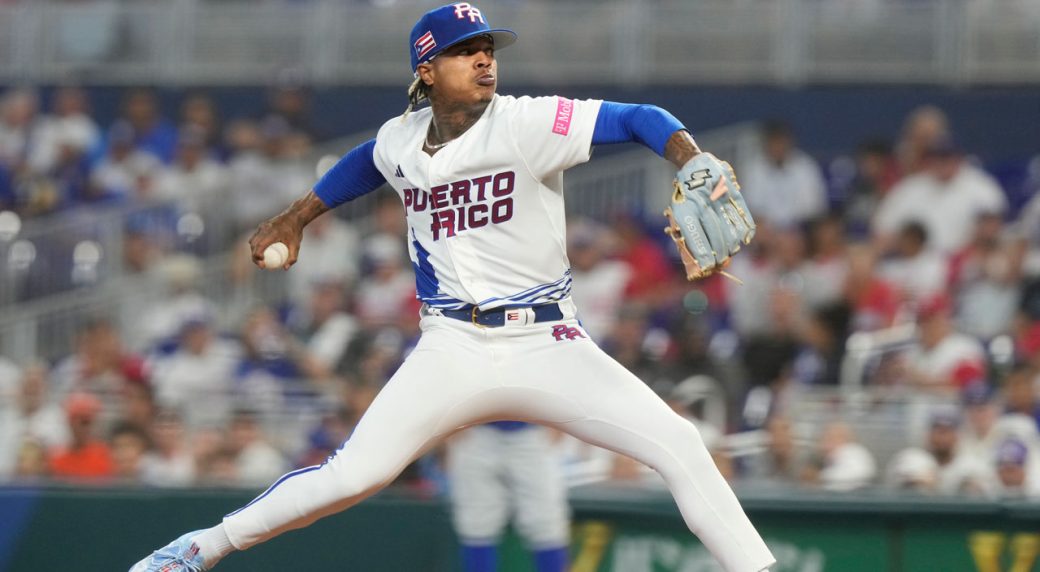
{"type": "Point", "coordinates": [615, 531]}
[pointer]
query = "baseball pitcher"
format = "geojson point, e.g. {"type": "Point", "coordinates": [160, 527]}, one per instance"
{"type": "Point", "coordinates": [481, 179]}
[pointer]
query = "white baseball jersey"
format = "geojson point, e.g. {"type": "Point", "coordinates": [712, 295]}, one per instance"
{"type": "Point", "coordinates": [486, 212]}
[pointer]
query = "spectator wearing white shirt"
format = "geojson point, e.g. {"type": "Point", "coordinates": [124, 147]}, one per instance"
{"type": "Point", "coordinates": [923, 127]}
{"type": "Point", "coordinates": [945, 359]}
{"type": "Point", "coordinates": [125, 171]}
{"type": "Point", "coordinates": [333, 253]}
{"type": "Point", "coordinates": [68, 130]}
{"type": "Point", "coordinates": [843, 464]}
{"type": "Point", "coordinates": [172, 463]}
{"type": "Point", "coordinates": [783, 185]}
{"type": "Point", "coordinates": [917, 271]}
{"type": "Point", "coordinates": [385, 294]}
{"type": "Point", "coordinates": [257, 462]}
{"type": "Point", "coordinates": [947, 197]}
{"type": "Point", "coordinates": [28, 414]}
{"type": "Point", "coordinates": [599, 283]}
{"type": "Point", "coordinates": [986, 277]}
{"type": "Point", "coordinates": [198, 377]}
{"type": "Point", "coordinates": [195, 181]}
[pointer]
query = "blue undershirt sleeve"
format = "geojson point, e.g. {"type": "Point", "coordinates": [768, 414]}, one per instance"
{"type": "Point", "coordinates": [353, 176]}
{"type": "Point", "coordinates": [626, 122]}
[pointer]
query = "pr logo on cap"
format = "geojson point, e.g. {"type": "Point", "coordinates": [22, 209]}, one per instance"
{"type": "Point", "coordinates": [424, 44]}
{"type": "Point", "coordinates": [464, 10]}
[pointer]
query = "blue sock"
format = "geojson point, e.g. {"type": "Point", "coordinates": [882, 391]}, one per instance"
{"type": "Point", "coordinates": [551, 559]}
{"type": "Point", "coordinates": [480, 558]}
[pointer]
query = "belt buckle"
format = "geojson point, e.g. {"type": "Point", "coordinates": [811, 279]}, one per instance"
{"type": "Point", "coordinates": [473, 317]}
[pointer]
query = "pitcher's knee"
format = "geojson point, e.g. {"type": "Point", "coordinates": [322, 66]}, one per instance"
{"type": "Point", "coordinates": [359, 480]}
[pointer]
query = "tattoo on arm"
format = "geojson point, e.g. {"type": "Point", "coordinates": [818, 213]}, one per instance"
{"type": "Point", "coordinates": [306, 208]}
{"type": "Point", "coordinates": [680, 148]}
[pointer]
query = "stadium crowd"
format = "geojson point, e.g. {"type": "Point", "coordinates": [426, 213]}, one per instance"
{"type": "Point", "coordinates": [905, 234]}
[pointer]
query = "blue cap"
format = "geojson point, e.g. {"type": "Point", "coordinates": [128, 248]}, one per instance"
{"type": "Point", "coordinates": [978, 393]}
{"type": "Point", "coordinates": [1012, 452]}
{"type": "Point", "coordinates": [448, 25]}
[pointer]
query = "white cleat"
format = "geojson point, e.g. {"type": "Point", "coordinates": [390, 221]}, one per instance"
{"type": "Point", "coordinates": [181, 555]}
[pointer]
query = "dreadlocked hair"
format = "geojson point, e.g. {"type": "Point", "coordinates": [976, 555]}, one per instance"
{"type": "Point", "coordinates": [417, 92]}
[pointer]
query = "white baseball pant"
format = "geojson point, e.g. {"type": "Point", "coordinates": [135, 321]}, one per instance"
{"type": "Point", "coordinates": [460, 374]}
{"type": "Point", "coordinates": [496, 474]}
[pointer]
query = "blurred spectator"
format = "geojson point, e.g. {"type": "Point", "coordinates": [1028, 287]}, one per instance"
{"type": "Point", "coordinates": [387, 292]}
{"type": "Point", "coordinates": [923, 128]}
{"type": "Point", "coordinates": [137, 406]}
{"type": "Point", "coordinates": [986, 277]}
{"type": "Point", "coordinates": [86, 456]}
{"type": "Point", "coordinates": [876, 173]}
{"type": "Point", "coordinates": [257, 462]}
{"type": "Point", "coordinates": [913, 469]}
{"type": "Point", "coordinates": [784, 186]}
{"type": "Point", "coordinates": [129, 453]}
{"type": "Point", "coordinates": [875, 303]}
{"type": "Point", "coordinates": [31, 462]}
{"type": "Point", "coordinates": [822, 337]}
{"type": "Point", "coordinates": [290, 102]}
{"type": "Point", "coordinates": [842, 463]}
{"type": "Point", "coordinates": [197, 377]}
{"type": "Point", "coordinates": [598, 282]}
{"type": "Point", "coordinates": [333, 253]}
{"type": "Point", "coordinates": [158, 326]}
{"type": "Point", "coordinates": [325, 439]}
{"type": "Point", "coordinates": [69, 131]}
{"type": "Point", "coordinates": [947, 197]}
{"type": "Point", "coordinates": [945, 359]}
{"type": "Point", "coordinates": [651, 275]}
{"type": "Point", "coordinates": [635, 344]}
{"type": "Point", "coordinates": [171, 464]}
{"type": "Point", "coordinates": [1013, 470]}
{"type": "Point", "coordinates": [828, 266]}
{"type": "Point", "coordinates": [124, 171]}
{"type": "Point", "coordinates": [18, 126]}
{"type": "Point", "coordinates": [194, 181]}
{"type": "Point", "coordinates": [943, 466]}
{"type": "Point", "coordinates": [271, 361]}
{"type": "Point", "coordinates": [986, 428]}
{"type": "Point", "coordinates": [153, 133]}
{"type": "Point", "coordinates": [254, 194]}
{"type": "Point", "coordinates": [26, 413]}
{"type": "Point", "coordinates": [1021, 392]}
{"type": "Point", "coordinates": [100, 364]}
{"type": "Point", "coordinates": [200, 113]}
{"type": "Point", "coordinates": [919, 272]}
{"type": "Point", "coordinates": [324, 326]}
{"type": "Point", "coordinates": [781, 461]}
{"type": "Point", "coordinates": [388, 216]}
{"type": "Point", "coordinates": [1027, 228]}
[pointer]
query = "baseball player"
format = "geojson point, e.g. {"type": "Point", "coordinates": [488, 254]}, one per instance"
{"type": "Point", "coordinates": [504, 468]}
{"type": "Point", "coordinates": [480, 176]}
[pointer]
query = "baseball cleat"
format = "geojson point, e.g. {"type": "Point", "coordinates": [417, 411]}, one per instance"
{"type": "Point", "coordinates": [181, 555]}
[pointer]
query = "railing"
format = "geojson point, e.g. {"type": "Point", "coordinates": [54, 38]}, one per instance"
{"type": "Point", "coordinates": [787, 42]}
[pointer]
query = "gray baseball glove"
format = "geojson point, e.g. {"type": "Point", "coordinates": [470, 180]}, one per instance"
{"type": "Point", "coordinates": [708, 218]}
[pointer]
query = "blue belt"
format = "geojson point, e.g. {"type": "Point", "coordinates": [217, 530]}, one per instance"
{"type": "Point", "coordinates": [497, 317]}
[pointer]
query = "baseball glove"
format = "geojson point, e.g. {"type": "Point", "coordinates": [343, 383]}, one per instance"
{"type": "Point", "coordinates": [708, 218]}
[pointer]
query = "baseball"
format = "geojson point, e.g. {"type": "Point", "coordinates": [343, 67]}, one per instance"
{"type": "Point", "coordinates": [276, 255]}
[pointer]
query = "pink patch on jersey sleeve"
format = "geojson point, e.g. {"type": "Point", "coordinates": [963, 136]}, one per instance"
{"type": "Point", "coordinates": [564, 112]}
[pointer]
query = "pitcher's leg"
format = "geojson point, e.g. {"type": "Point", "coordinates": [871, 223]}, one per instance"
{"type": "Point", "coordinates": [413, 412]}
{"type": "Point", "coordinates": [613, 409]}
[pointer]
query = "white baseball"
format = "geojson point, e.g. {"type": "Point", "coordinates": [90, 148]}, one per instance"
{"type": "Point", "coordinates": [276, 255]}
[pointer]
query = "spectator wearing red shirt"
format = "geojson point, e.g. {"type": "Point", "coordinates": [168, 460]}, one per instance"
{"type": "Point", "coordinates": [86, 457]}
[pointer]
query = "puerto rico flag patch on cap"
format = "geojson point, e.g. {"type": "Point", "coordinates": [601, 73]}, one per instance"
{"type": "Point", "coordinates": [424, 44]}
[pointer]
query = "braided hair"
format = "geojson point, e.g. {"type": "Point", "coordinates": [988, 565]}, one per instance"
{"type": "Point", "coordinates": [417, 92]}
